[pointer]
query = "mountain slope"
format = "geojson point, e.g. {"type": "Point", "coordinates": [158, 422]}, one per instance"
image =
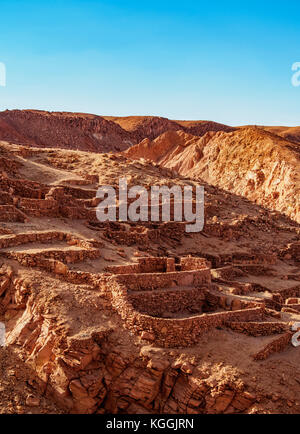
{"type": "Point", "coordinates": [199, 128]}
{"type": "Point", "coordinates": [145, 126]}
{"type": "Point", "coordinates": [152, 126]}
{"type": "Point", "coordinates": [249, 161]}
{"type": "Point", "coordinates": [289, 133]}
{"type": "Point", "coordinates": [63, 130]}
{"type": "Point", "coordinates": [88, 132]}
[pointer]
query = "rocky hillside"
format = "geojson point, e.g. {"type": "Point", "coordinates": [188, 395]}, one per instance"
{"type": "Point", "coordinates": [289, 133]}
{"type": "Point", "coordinates": [63, 130]}
{"type": "Point", "coordinates": [199, 128]}
{"type": "Point", "coordinates": [87, 132]}
{"type": "Point", "coordinates": [249, 162]}
{"type": "Point", "coordinates": [145, 126]}
{"type": "Point", "coordinates": [152, 126]}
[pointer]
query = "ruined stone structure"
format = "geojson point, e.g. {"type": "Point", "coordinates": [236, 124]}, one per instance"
{"type": "Point", "coordinates": [125, 317]}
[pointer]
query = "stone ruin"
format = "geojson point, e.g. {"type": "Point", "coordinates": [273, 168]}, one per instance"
{"type": "Point", "coordinates": [165, 301]}
{"type": "Point", "coordinates": [168, 301]}
{"type": "Point", "coordinates": [172, 301]}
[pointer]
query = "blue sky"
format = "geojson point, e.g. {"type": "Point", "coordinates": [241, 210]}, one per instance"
{"type": "Point", "coordinates": [228, 61]}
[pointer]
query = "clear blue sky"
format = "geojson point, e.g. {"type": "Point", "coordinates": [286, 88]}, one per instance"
{"type": "Point", "coordinates": [228, 61]}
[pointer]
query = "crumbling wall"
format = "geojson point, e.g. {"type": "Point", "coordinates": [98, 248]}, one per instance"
{"type": "Point", "coordinates": [161, 303]}
{"type": "Point", "coordinates": [153, 281]}
{"type": "Point", "coordinates": [259, 328]}
{"type": "Point", "coordinates": [191, 263]}
{"type": "Point", "coordinates": [172, 332]}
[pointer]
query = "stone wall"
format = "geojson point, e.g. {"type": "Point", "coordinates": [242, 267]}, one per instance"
{"type": "Point", "coordinates": [46, 259]}
{"type": "Point", "coordinates": [12, 240]}
{"type": "Point", "coordinates": [144, 234]}
{"type": "Point", "coordinates": [6, 198]}
{"type": "Point", "coordinates": [39, 207]}
{"type": "Point", "coordinates": [171, 332]}
{"type": "Point", "coordinates": [275, 346]}
{"type": "Point", "coordinates": [289, 292]}
{"type": "Point", "coordinates": [292, 251]}
{"type": "Point", "coordinates": [259, 328]}
{"type": "Point", "coordinates": [9, 213]}
{"type": "Point", "coordinates": [123, 269]}
{"type": "Point", "coordinates": [162, 303]}
{"type": "Point", "coordinates": [153, 281]}
{"type": "Point", "coordinates": [192, 263]}
{"type": "Point", "coordinates": [30, 237]}
{"type": "Point", "coordinates": [79, 193]}
{"type": "Point", "coordinates": [145, 265]}
{"type": "Point", "coordinates": [37, 200]}
{"type": "Point", "coordinates": [37, 259]}
{"type": "Point", "coordinates": [157, 265]}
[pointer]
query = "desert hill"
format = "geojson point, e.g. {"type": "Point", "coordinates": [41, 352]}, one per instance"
{"type": "Point", "coordinates": [199, 128]}
{"type": "Point", "coordinates": [63, 130]}
{"type": "Point", "coordinates": [87, 132]}
{"type": "Point", "coordinates": [250, 162]}
{"type": "Point", "coordinates": [289, 133]}
{"type": "Point", "coordinates": [145, 126]}
{"type": "Point", "coordinates": [152, 126]}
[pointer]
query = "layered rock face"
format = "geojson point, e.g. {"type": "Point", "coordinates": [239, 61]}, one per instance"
{"type": "Point", "coordinates": [249, 162]}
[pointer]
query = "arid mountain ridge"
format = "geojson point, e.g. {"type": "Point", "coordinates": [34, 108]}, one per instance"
{"type": "Point", "coordinates": [260, 163]}
{"type": "Point", "coordinates": [249, 162]}
{"type": "Point", "coordinates": [88, 132]}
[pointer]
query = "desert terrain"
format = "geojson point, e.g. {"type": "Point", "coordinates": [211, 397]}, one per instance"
{"type": "Point", "coordinates": [131, 318]}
